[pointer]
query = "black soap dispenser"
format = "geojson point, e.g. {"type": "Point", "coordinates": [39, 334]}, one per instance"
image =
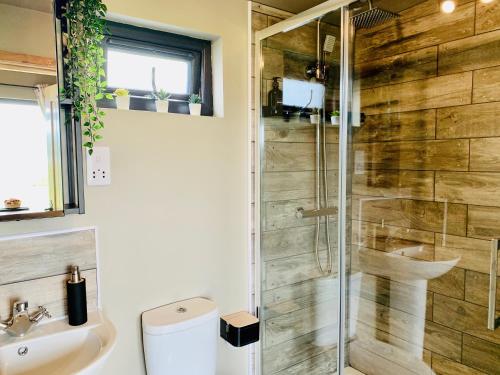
{"type": "Point", "coordinates": [77, 298]}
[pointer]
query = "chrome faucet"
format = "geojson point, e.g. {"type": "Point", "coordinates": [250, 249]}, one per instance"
{"type": "Point", "coordinates": [22, 321]}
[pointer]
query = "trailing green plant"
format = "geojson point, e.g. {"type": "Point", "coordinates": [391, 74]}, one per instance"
{"type": "Point", "coordinates": [84, 64]}
{"type": "Point", "coordinates": [195, 99]}
{"type": "Point", "coordinates": [161, 95]}
{"type": "Point", "coordinates": [335, 113]}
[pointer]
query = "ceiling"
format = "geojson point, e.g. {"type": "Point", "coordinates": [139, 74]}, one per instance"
{"type": "Point", "coordinates": [39, 5]}
{"type": "Point", "coordinates": [297, 6]}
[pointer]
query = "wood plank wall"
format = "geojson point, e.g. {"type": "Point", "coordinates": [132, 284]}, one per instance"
{"type": "Point", "coordinates": [35, 269]}
{"type": "Point", "coordinates": [293, 300]}
{"type": "Point", "coordinates": [428, 177]}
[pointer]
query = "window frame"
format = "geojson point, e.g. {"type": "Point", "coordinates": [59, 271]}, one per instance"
{"type": "Point", "coordinates": [195, 51]}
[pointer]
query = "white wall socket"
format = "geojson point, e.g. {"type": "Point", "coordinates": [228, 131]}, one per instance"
{"type": "Point", "coordinates": [99, 167]}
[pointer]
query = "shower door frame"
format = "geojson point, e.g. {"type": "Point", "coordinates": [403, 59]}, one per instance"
{"type": "Point", "coordinates": [289, 24]}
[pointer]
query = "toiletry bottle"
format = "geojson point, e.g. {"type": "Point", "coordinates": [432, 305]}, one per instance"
{"type": "Point", "coordinates": [77, 298]}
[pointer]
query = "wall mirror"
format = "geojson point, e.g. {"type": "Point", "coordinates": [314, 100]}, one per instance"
{"type": "Point", "coordinates": [34, 159]}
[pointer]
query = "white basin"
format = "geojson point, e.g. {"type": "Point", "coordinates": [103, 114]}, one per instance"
{"type": "Point", "coordinates": [400, 267]}
{"type": "Point", "coordinates": [58, 348]}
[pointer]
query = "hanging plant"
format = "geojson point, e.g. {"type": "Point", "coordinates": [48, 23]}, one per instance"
{"type": "Point", "coordinates": [84, 62]}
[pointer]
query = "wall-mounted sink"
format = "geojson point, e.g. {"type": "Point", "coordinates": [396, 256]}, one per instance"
{"type": "Point", "coordinates": [57, 348]}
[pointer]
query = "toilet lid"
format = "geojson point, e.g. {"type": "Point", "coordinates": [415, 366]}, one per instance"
{"type": "Point", "coordinates": [178, 316]}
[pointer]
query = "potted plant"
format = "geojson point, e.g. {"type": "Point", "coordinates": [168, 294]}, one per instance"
{"type": "Point", "coordinates": [122, 98]}
{"type": "Point", "coordinates": [335, 118]}
{"type": "Point", "coordinates": [314, 117]}
{"type": "Point", "coordinates": [195, 105]}
{"type": "Point", "coordinates": [161, 101]}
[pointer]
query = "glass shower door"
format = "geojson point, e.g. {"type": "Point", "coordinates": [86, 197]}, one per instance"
{"type": "Point", "coordinates": [425, 192]}
{"type": "Point", "coordinates": [299, 136]}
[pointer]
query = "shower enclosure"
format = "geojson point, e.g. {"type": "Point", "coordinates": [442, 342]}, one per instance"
{"type": "Point", "coordinates": [378, 189]}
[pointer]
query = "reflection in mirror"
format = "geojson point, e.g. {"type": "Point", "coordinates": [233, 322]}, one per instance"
{"type": "Point", "coordinates": [30, 155]}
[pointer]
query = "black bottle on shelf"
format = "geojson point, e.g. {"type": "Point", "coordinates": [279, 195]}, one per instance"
{"type": "Point", "coordinates": [77, 298]}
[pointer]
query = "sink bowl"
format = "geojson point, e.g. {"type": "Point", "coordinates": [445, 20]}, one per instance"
{"type": "Point", "coordinates": [400, 267]}
{"type": "Point", "coordinates": [57, 348]}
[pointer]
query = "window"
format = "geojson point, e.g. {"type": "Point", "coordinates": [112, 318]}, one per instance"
{"type": "Point", "coordinates": [24, 133]}
{"type": "Point", "coordinates": [182, 66]}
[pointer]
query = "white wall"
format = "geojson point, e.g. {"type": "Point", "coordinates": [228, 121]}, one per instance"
{"type": "Point", "coordinates": [173, 224]}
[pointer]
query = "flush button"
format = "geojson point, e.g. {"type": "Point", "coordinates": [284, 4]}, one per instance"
{"type": "Point", "coordinates": [22, 351]}
{"type": "Point", "coordinates": [181, 310]}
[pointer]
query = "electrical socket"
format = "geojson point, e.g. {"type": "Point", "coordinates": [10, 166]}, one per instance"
{"type": "Point", "coordinates": [99, 167]}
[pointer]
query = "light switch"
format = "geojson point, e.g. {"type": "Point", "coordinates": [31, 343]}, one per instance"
{"type": "Point", "coordinates": [99, 167]}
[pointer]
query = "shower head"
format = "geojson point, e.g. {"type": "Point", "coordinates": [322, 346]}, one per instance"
{"type": "Point", "coordinates": [329, 44]}
{"type": "Point", "coordinates": [372, 17]}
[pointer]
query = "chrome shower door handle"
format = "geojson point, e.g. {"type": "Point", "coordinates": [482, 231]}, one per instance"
{"type": "Point", "coordinates": [492, 295]}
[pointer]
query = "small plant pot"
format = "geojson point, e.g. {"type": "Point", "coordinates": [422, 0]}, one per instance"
{"type": "Point", "coordinates": [123, 102]}
{"type": "Point", "coordinates": [314, 119]}
{"type": "Point", "coordinates": [335, 120]}
{"type": "Point", "coordinates": [195, 109]}
{"type": "Point", "coordinates": [162, 106]}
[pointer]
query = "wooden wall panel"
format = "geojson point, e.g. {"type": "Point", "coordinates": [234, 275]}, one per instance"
{"type": "Point", "coordinates": [476, 52]}
{"type": "Point", "coordinates": [450, 284]}
{"type": "Point", "coordinates": [482, 222]}
{"type": "Point", "coordinates": [406, 126]}
{"type": "Point", "coordinates": [484, 155]}
{"type": "Point", "coordinates": [292, 241]}
{"type": "Point", "coordinates": [49, 292]}
{"type": "Point", "coordinates": [472, 254]}
{"type": "Point", "coordinates": [464, 317]}
{"type": "Point", "coordinates": [20, 259]}
{"type": "Point", "coordinates": [481, 354]}
{"type": "Point", "coordinates": [478, 120]}
{"type": "Point", "coordinates": [293, 297]}
{"type": "Point", "coordinates": [408, 66]}
{"type": "Point", "coordinates": [438, 338]}
{"type": "Point", "coordinates": [368, 353]}
{"type": "Point", "coordinates": [259, 22]}
{"type": "Point", "coordinates": [416, 155]}
{"type": "Point", "coordinates": [296, 157]}
{"type": "Point", "coordinates": [469, 188]}
{"type": "Point", "coordinates": [35, 268]}
{"type": "Point", "coordinates": [324, 363]}
{"type": "Point", "coordinates": [273, 63]}
{"type": "Point", "coordinates": [417, 33]}
{"type": "Point", "coordinates": [487, 16]}
{"type": "Point", "coordinates": [302, 133]}
{"type": "Point", "coordinates": [282, 214]}
{"type": "Point", "coordinates": [395, 184]}
{"type": "Point", "coordinates": [295, 324]}
{"type": "Point", "coordinates": [291, 270]}
{"type": "Point", "coordinates": [477, 287]}
{"type": "Point", "coordinates": [396, 295]}
{"type": "Point", "coordinates": [294, 185]}
{"type": "Point", "coordinates": [283, 356]}
{"type": "Point", "coordinates": [429, 216]}
{"type": "Point", "coordinates": [443, 91]}
{"type": "Point", "coordinates": [486, 85]}
{"type": "Point", "coordinates": [393, 239]}
{"type": "Point", "coordinates": [301, 40]}
{"type": "Point", "coordinates": [444, 366]}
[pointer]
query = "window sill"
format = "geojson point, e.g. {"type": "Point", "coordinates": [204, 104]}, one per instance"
{"type": "Point", "coordinates": [25, 215]}
{"type": "Point", "coordinates": [139, 103]}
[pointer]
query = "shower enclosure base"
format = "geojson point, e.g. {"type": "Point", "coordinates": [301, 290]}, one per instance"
{"type": "Point", "coordinates": [351, 371]}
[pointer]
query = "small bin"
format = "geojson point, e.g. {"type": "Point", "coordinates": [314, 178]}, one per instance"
{"type": "Point", "coordinates": [239, 329]}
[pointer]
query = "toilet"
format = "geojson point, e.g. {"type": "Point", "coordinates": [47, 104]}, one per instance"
{"type": "Point", "coordinates": [181, 338]}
